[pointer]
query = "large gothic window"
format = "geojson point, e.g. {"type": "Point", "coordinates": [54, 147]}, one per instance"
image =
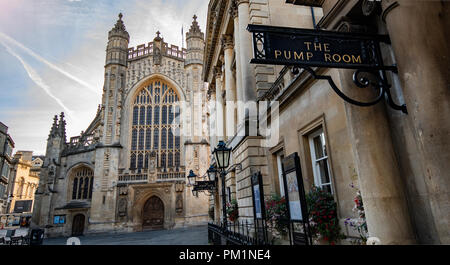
{"type": "Point", "coordinates": [155, 126]}
{"type": "Point", "coordinates": [82, 183]}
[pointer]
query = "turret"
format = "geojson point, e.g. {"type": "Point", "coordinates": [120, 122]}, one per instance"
{"type": "Point", "coordinates": [195, 44]}
{"type": "Point", "coordinates": [117, 49]}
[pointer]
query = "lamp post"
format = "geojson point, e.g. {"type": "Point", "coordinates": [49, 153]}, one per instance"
{"type": "Point", "coordinates": [222, 154]}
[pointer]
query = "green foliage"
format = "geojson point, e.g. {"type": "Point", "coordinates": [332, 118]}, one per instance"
{"type": "Point", "coordinates": [323, 215]}
{"type": "Point", "coordinates": [232, 210]}
{"type": "Point", "coordinates": [276, 214]}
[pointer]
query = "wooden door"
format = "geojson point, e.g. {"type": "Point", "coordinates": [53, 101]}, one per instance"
{"type": "Point", "coordinates": [78, 225]}
{"type": "Point", "coordinates": [153, 214]}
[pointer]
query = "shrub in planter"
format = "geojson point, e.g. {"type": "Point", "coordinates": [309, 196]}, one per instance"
{"type": "Point", "coordinates": [232, 210]}
{"type": "Point", "coordinates": [323, 215]}
{"type": "Point", "coordinates": [276, 215]}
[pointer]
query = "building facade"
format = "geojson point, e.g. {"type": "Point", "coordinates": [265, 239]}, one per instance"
{"type": "Point", "coordinates": [25, 172]}
{"type": "Point", "coordinates": [127, 170]}
{"type": "Point", "coordinates": [397, 160]}
{"type": "Point", "coordinates": [6, 148]}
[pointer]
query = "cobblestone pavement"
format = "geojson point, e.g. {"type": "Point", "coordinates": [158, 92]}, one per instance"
{"type": "Point", "coordinates": [197, 235]}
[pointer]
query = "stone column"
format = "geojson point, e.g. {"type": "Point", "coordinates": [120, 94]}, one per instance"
{"type": "Point", "coordinates": [219, 105]}
{"type": "Point", "coordinates": [379, 176]}
{"type": "Point", "coordinates": [423, 27]}
{"type": "Point", "coordinates": [227, 43]}
{"type": "Point", "coordinates": [239, 89]}
{"type": "Point", "coordinates": [212, 120]}
{"type": "Point", "coordinates": [246, 54]}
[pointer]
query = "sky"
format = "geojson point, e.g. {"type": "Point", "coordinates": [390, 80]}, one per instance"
{"type": "Point", "coordinates": [52, 55]}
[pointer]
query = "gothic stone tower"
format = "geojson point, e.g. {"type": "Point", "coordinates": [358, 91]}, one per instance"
{"type": "Point", "coordinates": [127, 170]}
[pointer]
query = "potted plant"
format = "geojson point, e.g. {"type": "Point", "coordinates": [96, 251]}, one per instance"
{"type": "Point", "coordinates": [232, 210]}
{"type": "Point", "coordinates": [276, 216]}
{"type": "Point", "coordinates": [323, 216]}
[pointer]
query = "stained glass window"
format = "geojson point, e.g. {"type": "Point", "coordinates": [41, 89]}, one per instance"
{"type": "Point", "coordinates": [155, 126]}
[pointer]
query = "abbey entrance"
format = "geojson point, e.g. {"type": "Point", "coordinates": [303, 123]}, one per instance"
{"type": "Point", "coordinates": [153, 214]}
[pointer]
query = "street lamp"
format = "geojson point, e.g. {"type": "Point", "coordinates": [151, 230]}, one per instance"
{"type": "Point", "coordinates": [191, 178]}
{"type": "Point", "coordinates": [222, 154]}
{"type": "Point", "coordinates": [211, 173]}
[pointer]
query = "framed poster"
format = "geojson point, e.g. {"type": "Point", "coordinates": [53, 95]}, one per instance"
{"type": "Point", "coordinates": [293, 186]}
{"type": "Point", "coordinates": [258, 196]}
{"type": "Point", "coordinates": [295, 208]}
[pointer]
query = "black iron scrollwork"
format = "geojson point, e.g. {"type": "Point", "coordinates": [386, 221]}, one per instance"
{"type": "Point", "coordinates": [361, 81]}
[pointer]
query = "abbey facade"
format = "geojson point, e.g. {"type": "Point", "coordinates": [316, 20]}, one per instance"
{"type": "Point", "coordinates": [127, 170]}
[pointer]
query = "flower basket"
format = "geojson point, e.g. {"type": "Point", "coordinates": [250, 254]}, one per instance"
{"type": "Point", "coordinates": [232, 210]}
{"type": "Point", "coordinates": [276, 216]}
{"type": "Point", "coordinates": [323, 216]}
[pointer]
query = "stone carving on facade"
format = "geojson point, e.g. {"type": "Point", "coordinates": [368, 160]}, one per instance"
{"type": "Point", "coordinates": [369, 7]}
{"type": "Point", "coordinates": [179, 187]}
{"type": "Point", "coordinates": [157, 56]}
{"type": "Point", "coordinates": [227, 42]}
{"type": "Point", "coordinates": [122, 209]}
{"type": "Point", "coordinates": [123, 191]}
{"type": "Point", "coordinates": [233, 9]}
{"type": "Point", "coordinates": [179, 204]}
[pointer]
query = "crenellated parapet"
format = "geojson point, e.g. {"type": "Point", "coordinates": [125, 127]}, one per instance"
{"type": "Point", "coordinates": [143, 50]}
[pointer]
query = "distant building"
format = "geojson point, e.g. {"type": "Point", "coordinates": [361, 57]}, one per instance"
{"type": "Point", "coordinates": [6, 148]}
{"type": "Point", "coordinates": [24, 180]}
{"type": "Point", "coordinates": [127, 170]}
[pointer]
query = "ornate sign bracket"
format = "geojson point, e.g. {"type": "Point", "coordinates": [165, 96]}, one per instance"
{"type": "Point", "coordinates": [381, 85]}
{"type": "Point", "coordinates": [306, 48]}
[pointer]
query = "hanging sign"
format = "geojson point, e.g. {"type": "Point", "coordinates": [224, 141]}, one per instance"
{"type": "Point", "coordinates": [204, 185]}
{"type": "Point", "coordinates": [316, 48]}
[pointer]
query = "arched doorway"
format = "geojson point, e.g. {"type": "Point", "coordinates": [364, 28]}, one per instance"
{"type": "Point", "coordinates": [78, 225]}
{"type": "Point", "coordinates": [153, 214]}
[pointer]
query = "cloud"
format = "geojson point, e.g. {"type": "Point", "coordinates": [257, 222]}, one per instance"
{"type": "Point", "coordinates": [34, 76]}
{"type": "Point", "coordinates": [52, 66]}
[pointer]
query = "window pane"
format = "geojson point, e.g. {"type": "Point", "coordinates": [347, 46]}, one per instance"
{"type": "Point", "coordinates": [164, 115]}
{"type": "Point", "coordinates": [318, 147]}
{"type": "Point", "coordinates": [133, 139]}
{"type": "Point", "coordinates": [156, 118]}
{"type": "Point", "coordinates": [80, 185]}
{"type": "Point", "coordinates": [86, 188]}
{"type": "Point", "coordinates": [149, 115]}
{"type": "Point", "coordinates": [323, 171]}
{"type": "Point", "coordinates": [163, 160]}
{"type": "Point", "coordinates": [135, 115]}
{"type": "Point", "coordinates": [133, 161]}
{"type": "Point", "coordinates": [156, 139]}
{"type": "Point", "coordinates": [148, 138]}
{"type": "Point", "coordinates": [74, 191]}
{"type": "Point", "coordinates": [142, 116]}
{"type": "Point", "coordinates": [170, 139]}
{"type": "Point", "coordinates": [140, 161]}
{"type": "Point", "coordinates": [141, 139]}
{"type": "Point", "coordinates": [163, 139]}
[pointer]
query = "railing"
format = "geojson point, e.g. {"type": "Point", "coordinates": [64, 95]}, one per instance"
{"type": "Point", "coordinates": [238, 233]}
{"type": "Point", "coordinates": [143, 50]}
{"type": "Point", "coordinates": [135, 178]}
{"type": "Point", "coordinates": [163, 176]}
{"type": "Point", "coordinates": [81, 143]}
